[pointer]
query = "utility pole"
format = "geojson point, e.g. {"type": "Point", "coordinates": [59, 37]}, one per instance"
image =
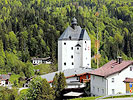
{"type": "Point", "coordinates": [97, 44]}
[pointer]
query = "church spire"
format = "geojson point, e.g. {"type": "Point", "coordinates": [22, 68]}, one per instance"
{"type": "Point", "coordinates": [74, 23]}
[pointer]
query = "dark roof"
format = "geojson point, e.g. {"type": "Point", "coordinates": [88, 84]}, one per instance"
{"type": "Point", "coordinates": [34, 58]}
{"type": "Point", "coordinates": [4, 77]}
{"type": "Point", "coordinates": [76, 34]}
{"type": "Point", "coordinates": [68, 73]}
{"type": "Point", "coordinates": [128, 80]}
{"type": "Point", "coordinates": [110, 68]}
{"type": "Point", "coordinates": [78, 45]}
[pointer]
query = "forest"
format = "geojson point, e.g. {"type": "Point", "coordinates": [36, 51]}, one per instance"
{"type": "Point", "coordinates": [31, 28]}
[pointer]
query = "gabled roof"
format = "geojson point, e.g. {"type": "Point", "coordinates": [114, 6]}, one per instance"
{"type": "Point", "coordinates": [68, 73]}
{"type": "Point", "coordinates": [110, 68]}
{"type": "Point", "coordinates": [74, 34]}
{"type": "Point", "coordinates": [128, 80]}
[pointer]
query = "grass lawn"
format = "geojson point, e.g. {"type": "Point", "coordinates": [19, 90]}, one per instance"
{"type": "Point", "coordinates": [85, 98]}
{"type": "Point", "coordinates": [44, 68]}
{"type": "Point", "coordinates": [123, 96]}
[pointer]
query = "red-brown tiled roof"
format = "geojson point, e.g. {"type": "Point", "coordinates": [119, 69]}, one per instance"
{"type": "Point", "coordinates": [128, 80]}
{"type": "Point", "coordinates": [110, 68]}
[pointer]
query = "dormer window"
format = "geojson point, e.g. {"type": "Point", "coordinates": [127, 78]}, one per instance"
{"type": "Point", "coordinates": [78, 45]}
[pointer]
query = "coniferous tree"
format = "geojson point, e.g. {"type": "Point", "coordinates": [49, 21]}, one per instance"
{"type": "Point", "coordinates": [59, 84]}
{"type": "Point", "coordinates": [55, 84]}
{"type": "Point", "coordinates": [46, 92]}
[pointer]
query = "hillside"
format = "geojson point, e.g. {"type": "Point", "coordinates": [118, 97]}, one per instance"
{"type": "Point", "coordinates": [31, 28]}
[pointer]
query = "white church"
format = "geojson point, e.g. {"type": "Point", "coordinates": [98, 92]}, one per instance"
{"type": "Point", "coordinates": [74, 48]}
{"type": "Point", "coordinates": [74, 56]}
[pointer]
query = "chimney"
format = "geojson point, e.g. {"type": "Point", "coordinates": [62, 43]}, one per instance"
{"type": "Point", "coordinates": [119, 59]}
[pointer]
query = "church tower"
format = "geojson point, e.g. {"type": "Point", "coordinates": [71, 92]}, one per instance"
{"type": "Point", "coordinates": [74, 48]}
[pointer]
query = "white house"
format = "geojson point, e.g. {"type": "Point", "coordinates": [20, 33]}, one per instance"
{"type": "Point", "coordinates": [109, 79]}
{"type": "Point", "coordinates": [74, 48]}
{"type": "Point", "coordinates": [37, 61]}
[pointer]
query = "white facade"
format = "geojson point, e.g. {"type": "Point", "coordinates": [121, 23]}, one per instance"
{"type": "Point", "coordinates": [74, 48]}
{"type": "Point", "coordinates": [112, 84]}
{"type": "Point", "coordinates": [37, 61]}
{"type": "Point", "coordinates": [74, 54]}
{"type": "Point", "coordinates": [4, 83]}
{"type": "Point", "coordinates": [98, 85]}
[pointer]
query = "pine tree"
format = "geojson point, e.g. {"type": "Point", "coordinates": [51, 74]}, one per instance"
{"type": "Point", "coordinates": [2, 55]}
{"type": "Point", "coordinates": [55, 84]}
{"type": "Point", "coordinates": [59, 84]}
{"type": "Point", "coordinates": [46, 92]}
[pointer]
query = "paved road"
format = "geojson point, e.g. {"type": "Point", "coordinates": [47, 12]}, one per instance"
{"type": "Point", "coordinates": [118, 99]}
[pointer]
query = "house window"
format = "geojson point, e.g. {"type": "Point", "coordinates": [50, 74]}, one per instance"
{"type": "Point", "coordinates": [71, 48]}
{"type": "Point", "coordinates": [102, 90]}
{"type": "Point", "coordinates": [64, 63]}
{"type": "Point", "coordinates": [113, 91]}
{"type": "Point", "coordinates": [64, 43]}
{"type": "Point", "coordinates": [85, 48]}
{"type": "Point", "coordinates": [77, 48]}
{"type": "Point", "coordinates": [131, 68]}
{"type": "Point", "coordinates": [98, 89]}
{"type": "Point", "coordinates": [72, 63]}
{"type": "Point", "coordinates": [71, 56]}
{"type": "Point", "coordinates": [113, 79]}
{"type": "Point", "coordinates": [85, 41]}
